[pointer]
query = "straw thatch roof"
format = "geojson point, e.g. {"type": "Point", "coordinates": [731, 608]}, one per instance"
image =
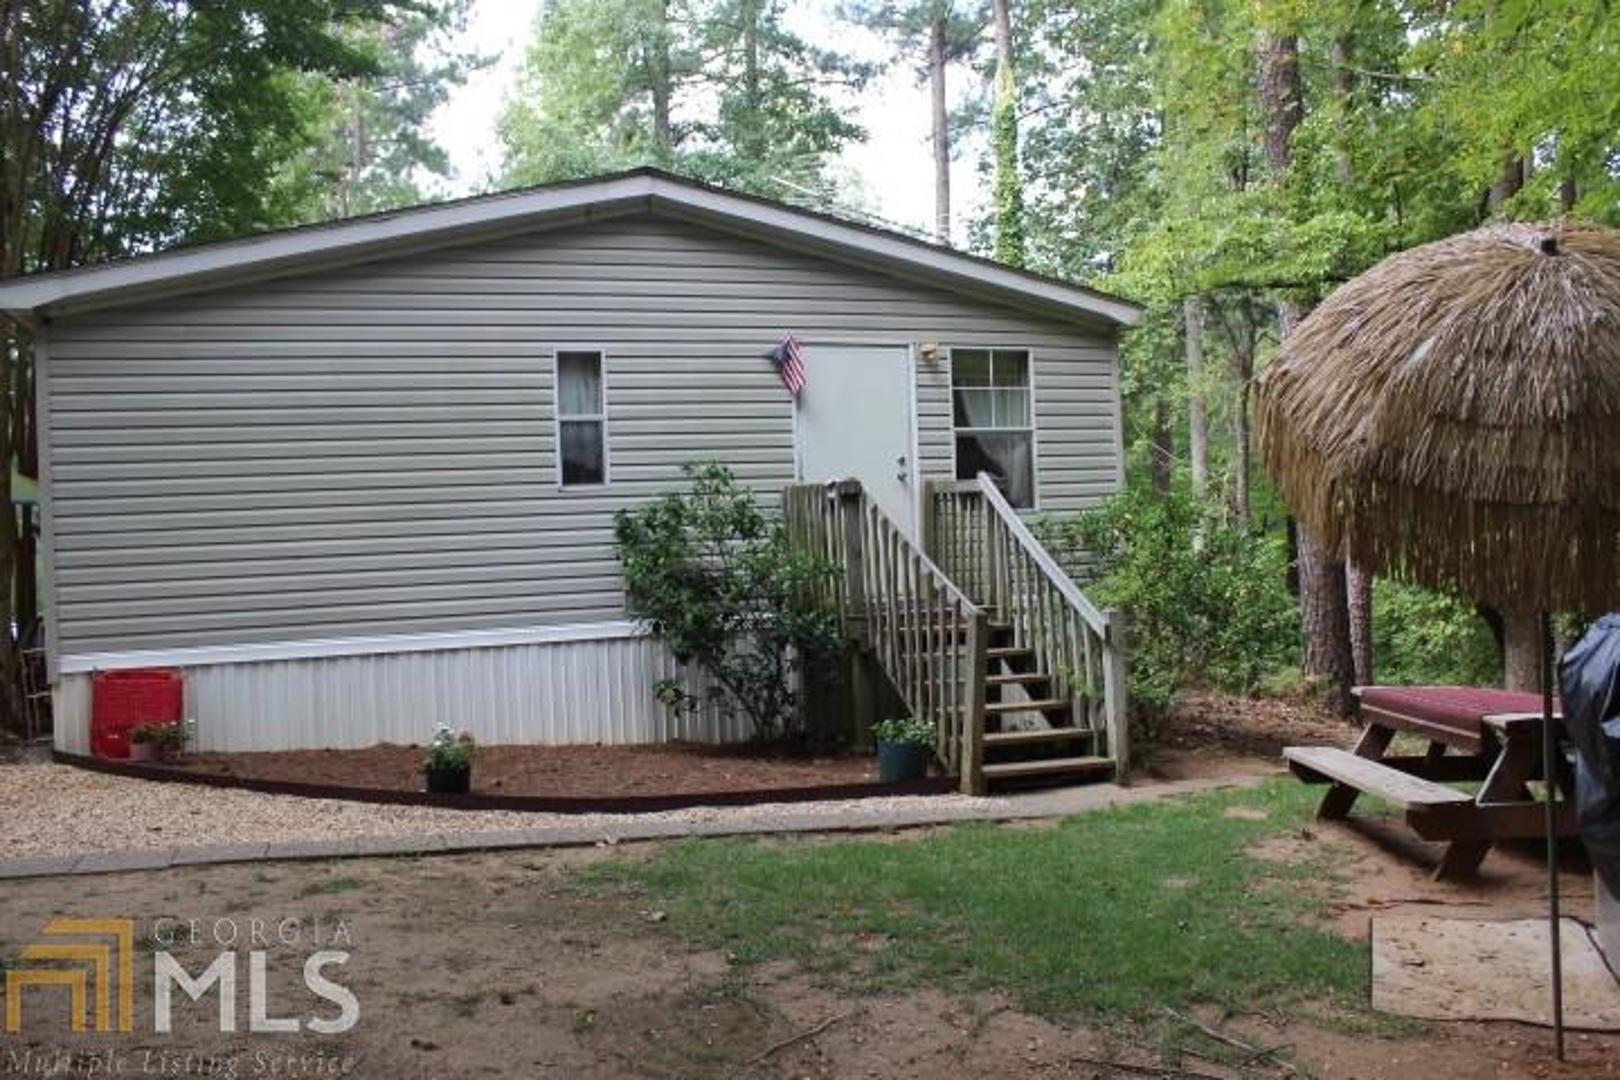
{"type": "Point", "coordinates": [1452, 416]}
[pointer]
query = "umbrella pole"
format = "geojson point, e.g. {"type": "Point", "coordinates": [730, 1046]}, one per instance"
{"type": "Point", "coordinates": [1549, 767]}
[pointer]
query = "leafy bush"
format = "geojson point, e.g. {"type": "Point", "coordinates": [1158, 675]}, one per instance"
{"type": "Point", "coordinates": [718, 581]}
{"type": "Point", "coordinates": [907, 731]}
{"type": "Point", "coordinates": [1205, 598]}
{"type": "Point", "coordinates": [1428, 637]}
{"type": "Point", "coordinates": [449, 750]}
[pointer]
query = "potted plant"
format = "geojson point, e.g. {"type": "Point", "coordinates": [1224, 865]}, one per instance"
{"type": "Point", "coordinates": [143, 742]}
{"type": "Point", "coordinates": [171, 741]}
{"type": "Point", "coordinates": [904, 748]}
{"type": "Point", "coordinates": [448, 764]}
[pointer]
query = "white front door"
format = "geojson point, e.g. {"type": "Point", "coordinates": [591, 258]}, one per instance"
{"type": "Point", "coordinates": [854, 421]}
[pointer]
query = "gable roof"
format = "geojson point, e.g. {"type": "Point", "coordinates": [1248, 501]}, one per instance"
{"type": "Point", "coordinates": [305, 248]}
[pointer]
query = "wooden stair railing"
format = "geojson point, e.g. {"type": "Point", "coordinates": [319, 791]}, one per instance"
{"type": "Point", "coordinates": [1078, 651]}
{"type": "Point", "coordinates": [929, 638]}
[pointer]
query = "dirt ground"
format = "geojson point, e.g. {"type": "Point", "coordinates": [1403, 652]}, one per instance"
{"type": "Point", "coordinates": [558, 771]}
{"type": "Point", "coordinates": [489, 965]}
{"type": "Point", "coordinates": [477, 966]}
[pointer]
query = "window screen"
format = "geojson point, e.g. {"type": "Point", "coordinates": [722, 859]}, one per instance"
{"type": "Point", "coordinates": [994, 419]}
{"type": "Point", "coordinates": [581, 419]}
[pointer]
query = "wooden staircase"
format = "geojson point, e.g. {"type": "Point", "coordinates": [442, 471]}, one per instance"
{"type": "Point", "coordinates": [983, 635]}
{"type": "Point", "coordinates": [1030, 727]}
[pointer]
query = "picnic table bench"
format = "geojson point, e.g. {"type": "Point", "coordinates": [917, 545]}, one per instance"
{"type": "Point", "coordinates": [1489, 736]}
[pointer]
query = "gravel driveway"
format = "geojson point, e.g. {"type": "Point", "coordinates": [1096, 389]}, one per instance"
{"type": "Point", "coordinates": [48, 809]}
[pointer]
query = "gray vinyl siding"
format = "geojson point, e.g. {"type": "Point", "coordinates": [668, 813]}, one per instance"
{"type": "Point", "coordinates": [370, 450]}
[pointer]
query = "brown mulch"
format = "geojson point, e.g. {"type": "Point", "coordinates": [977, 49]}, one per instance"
{"type": "Point", "coordinates": [557, 771]}
{"type": "Point", "coordinates": [1215, 723]}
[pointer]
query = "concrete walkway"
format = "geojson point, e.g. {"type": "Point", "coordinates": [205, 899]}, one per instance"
{"type": "Point", "coordinates": [771, 818]}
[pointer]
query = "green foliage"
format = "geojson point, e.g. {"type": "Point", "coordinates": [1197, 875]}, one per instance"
{"type": "Point", "coordinates": [1009, 187]}
{"type": "Point", "coordinates": [370, 142]}
{"type": "Point", "coordinates": [718, 89]}
{"type": "Point", "coordinates": [133, 126]}
{"type": "Point", "coordinates": [906, 731]}
{"type": "Point", "coordinates": [449, 751]}
{"type": "Point", "coordinates": [1421, 636]}
{"type": "Point", "coordinates": [1204, 596]}
{"type": "Point", "coordinates": [719, 583]}
{"type": "Point", "coordinates": [1116, 913]}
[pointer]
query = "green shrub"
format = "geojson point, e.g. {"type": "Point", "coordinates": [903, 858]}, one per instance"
{"type": "Point", "coordinates": [1421, 636]}
{"type": "Point", "coordinates": [1205, 597]}
{"type": "Point", "coordinates": [717, 581]}
{"type": "Point", "coordinates": [907, 731]}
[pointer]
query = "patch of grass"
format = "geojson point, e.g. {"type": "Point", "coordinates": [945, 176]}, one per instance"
{"type": "Point", "coordinates": [329, 886]}
{"type": "Point", "coordinates": [1117, 912]}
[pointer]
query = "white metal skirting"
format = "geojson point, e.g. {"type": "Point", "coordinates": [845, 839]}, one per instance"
{"type": "Point", "coordinates": [551, 692]}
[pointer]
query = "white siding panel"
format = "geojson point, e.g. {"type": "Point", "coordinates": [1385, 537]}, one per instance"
{"type": "Point", "coordinates": [552, 693]}
{"type": "Point", "coordinates": [369, 450]}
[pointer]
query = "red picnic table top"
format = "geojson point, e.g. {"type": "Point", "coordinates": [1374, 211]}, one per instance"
{"type": "Point", "coordinates": [1441, 711]}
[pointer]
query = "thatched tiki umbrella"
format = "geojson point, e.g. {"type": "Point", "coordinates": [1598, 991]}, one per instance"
{"type": "Point", "coordinates": [1452, 417]}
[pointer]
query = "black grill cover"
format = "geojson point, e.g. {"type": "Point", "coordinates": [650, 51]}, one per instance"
{"type": "Point", "coordinates": [1589, 680]}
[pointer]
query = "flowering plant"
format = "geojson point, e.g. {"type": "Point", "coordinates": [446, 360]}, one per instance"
{"type": "Point", "coordinates": [449, 750]}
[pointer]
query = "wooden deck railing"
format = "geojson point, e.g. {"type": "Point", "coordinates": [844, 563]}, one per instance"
{"type": "Point", "coordinates": [926, 634]}
{"type": "Point", "coordinates": [982, 544]}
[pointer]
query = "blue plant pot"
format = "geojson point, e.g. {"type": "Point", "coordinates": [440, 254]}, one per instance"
{"type": "Point", "coordinates": [899, 762]}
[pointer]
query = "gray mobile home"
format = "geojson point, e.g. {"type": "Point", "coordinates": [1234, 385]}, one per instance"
{"type": "Point", "coordinates": [354, 479]}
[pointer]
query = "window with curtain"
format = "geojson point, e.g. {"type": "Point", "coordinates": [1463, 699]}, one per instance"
{"type": "Point", "coordinates": [581, 419]}
{"type": "Point", "coordinates": [994, 418]}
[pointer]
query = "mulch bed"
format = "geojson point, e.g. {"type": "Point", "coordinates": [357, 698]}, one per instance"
{"type": "Point", "coordinates": [582, 772]}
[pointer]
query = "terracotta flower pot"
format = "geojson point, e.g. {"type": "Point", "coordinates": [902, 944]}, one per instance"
{"type": "Point", "coordinates": [143, 751]}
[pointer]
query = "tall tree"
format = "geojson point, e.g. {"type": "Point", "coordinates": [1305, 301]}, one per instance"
{"type": "Point", "coordinates": [373, 143]}
{"type": "Point", "coordinates": [598, 89]}
{"type": "Point", "coordinates": [940, 33]}
{"type": "Point", "coordinates": [130, 124]}
{"type": "Point", "coordinates": [1009, 184]}
{"type": "Point", "coordinates": [719, 89]}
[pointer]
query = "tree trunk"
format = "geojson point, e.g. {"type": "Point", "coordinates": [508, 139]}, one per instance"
{"type": "Point", "coordinates": [1521, 651]}
{"type": "Point", "coordinates": [1164, 448]}
{"type": "Point", "coordinates": [1325, 622]}
{"type": "Point", "coordinates": [658, 78]}
{"type": "Point", "coordinates": [751, 144]}
{"type": "Point", "coordinates": [941, 127]}
{"type": "Point", "coordinates": [1323, 602]}
{"type": "Point", "coordinates": [1281, 97]}
{"type": "Point", "coordinates": [1342, 86]}
{"type": "Point", "coordinates": [1358, 599]}
{"type": "Point", "coordinates": [1192, 317]}
{"type": "Point", "coordinates": [1242, 452]}
{"type": "Point", "coordinates": [1009, 194]}
{"type": "Point", "coordinates": [1508, 184]}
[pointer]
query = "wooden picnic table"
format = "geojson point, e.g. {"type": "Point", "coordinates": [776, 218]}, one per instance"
{"type": "Point", "coordinates": [1489, 736]}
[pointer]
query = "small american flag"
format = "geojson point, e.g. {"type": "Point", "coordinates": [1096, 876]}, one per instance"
{"type": "Point", "coordinates": [789, 363]}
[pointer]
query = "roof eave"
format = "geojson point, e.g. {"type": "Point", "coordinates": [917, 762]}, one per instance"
{"type": "Point", "coordinates": [276, 253]}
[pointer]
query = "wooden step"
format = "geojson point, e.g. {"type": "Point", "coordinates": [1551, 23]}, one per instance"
{"type": "Point", "coordinates": [1319, 764]}
{"type": "Point", "coordinates": [1035, 737]}
{"type": "Point", "coordinates": [1016, 679]}
{"type": "Point", "coordinates": [1040, 705]}
{"type": "Point", "coordinates": [1007, 652]}
{"type": "Point", "coordinates": [1009, 770]}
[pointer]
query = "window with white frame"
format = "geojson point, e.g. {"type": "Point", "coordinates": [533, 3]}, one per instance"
{"type": "Point", "coordinates": [995, 419]}
{"type": "Point", "coordinates": [581, 419]}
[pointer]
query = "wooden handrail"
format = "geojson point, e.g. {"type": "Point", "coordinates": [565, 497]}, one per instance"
{"type": "Point", "coordinates": [1059, 577]}
{"type": "Point", "coordinates": [929, 637]}
{"type": "Point", "coordinates": [984, 544]}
